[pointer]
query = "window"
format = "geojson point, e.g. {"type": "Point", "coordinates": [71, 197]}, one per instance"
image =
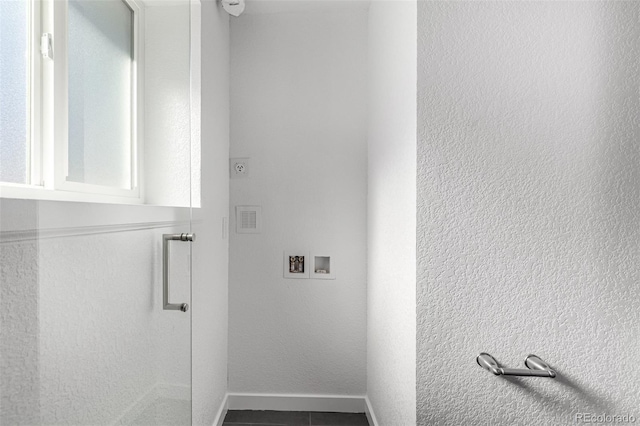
{"type": "Point", "coordinates": [14, 94]}
{"type": "Point", "coordinates": [100, 64]}
{"type": "Point", "coordinates": [69, 113]}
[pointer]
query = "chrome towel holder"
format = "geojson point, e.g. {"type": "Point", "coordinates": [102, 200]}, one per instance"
{"type": "Point", "coordinates": [535, 367]}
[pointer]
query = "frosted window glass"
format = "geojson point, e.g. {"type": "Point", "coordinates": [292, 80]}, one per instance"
{"type": "Point", "coordinates": [100, 92]}
{"type": "Point", "coordinates": [13, 91]}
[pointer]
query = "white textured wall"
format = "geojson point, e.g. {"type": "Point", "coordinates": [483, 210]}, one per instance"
{"type": "Point", "coordinates": [298, 109]}
{"type": "Point", "coordinates": [167, 131]}
{"type": "Point", "coordinates": [83, 334]}
{"type": "Point", "coordinates": [391, 213]}
{"type": "Point", "coordinates": [104, 341]}
{"type": "Point", "coordinates": [19, 328]}
{"type": "Point", "coordinates": [528, 209]}
{"type": "Point", "coordinates": [211, 251]}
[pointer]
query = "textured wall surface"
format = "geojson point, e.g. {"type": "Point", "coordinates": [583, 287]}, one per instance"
{"type": "Point", "coordinates": [104, 340]}
{"type": "Point", "coordinates": [166, 91]}
{"type": "Point", "coordinates": [298, 109]}
{"type": "Point", "coordinates": [83, 311]}
{"type": "Point", "coordinates": [528, 209]}
{"type": "Point", "coordinates": [391, 213]}
{"type": "Point", "coordinates": [19, 328]}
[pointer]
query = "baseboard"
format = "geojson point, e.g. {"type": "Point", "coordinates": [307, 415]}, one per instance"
{"type": "Point", "coordinates": [222, 411]}
{"type": "Point", "coordinates": [369, 412]}
{"type": "Point", "coordinates": [297, 402]}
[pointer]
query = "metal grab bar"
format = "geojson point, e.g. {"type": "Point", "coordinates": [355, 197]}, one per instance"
{"type": "Point", "coordinates": [184, 307]}
{"type": "Point", "coordinates": [535, 367]}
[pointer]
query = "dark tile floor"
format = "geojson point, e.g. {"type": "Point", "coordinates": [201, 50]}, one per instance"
{"type": "Point", "coordinates": [293, 418]}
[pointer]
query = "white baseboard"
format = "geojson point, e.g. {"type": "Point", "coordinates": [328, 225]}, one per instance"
{"type": "Point", "coordinates": [222, 411]}
{"type": "Point", "coordinates": [297, 402]}
{"type": "Point", "coordinates": [369, 412]}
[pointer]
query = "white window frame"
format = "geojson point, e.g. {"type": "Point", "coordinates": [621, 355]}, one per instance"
{"type": "Point", "coordinates": [34, 157]}
{"type": "Point", "coordinates": [48, 142]}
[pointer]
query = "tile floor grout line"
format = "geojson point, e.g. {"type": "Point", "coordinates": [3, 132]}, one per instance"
{"type": "Point", "coordinates": [251, 423]}
{"type": "Point", "coordinates": [310, 421]}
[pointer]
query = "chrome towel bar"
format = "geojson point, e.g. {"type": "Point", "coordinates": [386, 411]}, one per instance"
{"type": "Point", "coordinates": [535, 367]}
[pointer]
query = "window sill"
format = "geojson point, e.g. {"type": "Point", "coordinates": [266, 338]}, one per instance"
{"type": "Point", "coordinates": [31, 218]}
{"type": "Point", "coordinates": [38, 193]}
{"type": "Point", "coordinates": [29, 192]}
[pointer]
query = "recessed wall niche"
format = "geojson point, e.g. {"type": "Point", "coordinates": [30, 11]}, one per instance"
{"type": "Point", "coordinates": [322, 266]}
{"type": "Point", "coordinates": [301, 264]}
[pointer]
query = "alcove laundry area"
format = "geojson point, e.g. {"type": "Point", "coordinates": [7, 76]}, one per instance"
{"type": "Point", "coordinates": [319, 212]}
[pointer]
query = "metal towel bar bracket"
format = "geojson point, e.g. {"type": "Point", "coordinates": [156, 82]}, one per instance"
{"type": "Point", "coordinates": [166, 238]}
{"type": "Point", "coordinates": [535, 367]}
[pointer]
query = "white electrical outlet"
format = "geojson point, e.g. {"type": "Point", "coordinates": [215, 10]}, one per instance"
{"type": "Point", "coordinates": [239, 167]}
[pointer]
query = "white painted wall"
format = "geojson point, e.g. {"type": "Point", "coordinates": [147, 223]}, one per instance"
{"type": "Point", "coordinates": [211, 251]}
{"type": "Point", "coordinates": [172, 152]}
{"type": "Point", "coordinates": [391, 213]}
{"type": "Point", "coordinates": [167, 84]}
{"type": "Point", "coordinates": [528, 209]}
{"type": "Point", "coordinates": [298, 110]}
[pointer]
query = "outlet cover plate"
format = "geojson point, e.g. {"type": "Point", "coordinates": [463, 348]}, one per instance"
{"type": "Point", "coordinates": [238, 168]}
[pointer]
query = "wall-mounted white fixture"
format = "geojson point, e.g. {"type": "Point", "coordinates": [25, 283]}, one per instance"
{"type": "Point", "coordinates": [233, 7]}
{"type": "Point", "coordinates": [248, 219]}
{"type": "Point", "coordinates": [322, 266]}
{"type": "Point", "coordinates": [296, 264]}
{"type": "Point", "coordinates": [239, 167]}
